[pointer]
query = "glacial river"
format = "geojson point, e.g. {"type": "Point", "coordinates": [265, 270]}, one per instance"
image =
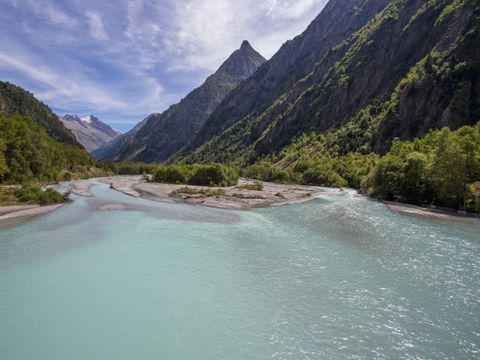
{"type": "Point", "coordinates": [335, 278]}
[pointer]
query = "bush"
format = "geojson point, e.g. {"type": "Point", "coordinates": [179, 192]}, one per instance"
{"type": "Point", "coordinates": [214, 175]}
{"type": "Point", "coordinates": [267, 172]}
{"type": "Point", "coordinates": [257, 185]}
{"type": "Point", "coordinates": [171, 175]}
{"type": "Point", "coordinates": [202, 175]}
{"type": "Point", "coordinates": [473, 197]}
{"type": "Point", "coordinates": [35, 195]}
{"type": "Point", "coordinates": [205, 192]}
{"type": "Point", "coordinates": [324, 176]}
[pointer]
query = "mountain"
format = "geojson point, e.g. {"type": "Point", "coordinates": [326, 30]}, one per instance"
{"type": "Point", "coordinates": [34, 143]}
{"type": "Point", "coordinates": [89, 131]}
{"type": "Point", "coordinates": [15, 100]}
{"type": "Point", "coordinates": [164, 134]}
{"type": "Point", "coordinates": [123, 141]}
{"type": "Point", "coordinates": [364, 73]}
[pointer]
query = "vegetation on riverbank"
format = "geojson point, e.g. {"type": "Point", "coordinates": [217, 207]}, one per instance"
{"type": "Point", "coordinates": [443, 168]}
{"type": "Point", "coordinates": [30, 195]}
{"type": "Point", "coordinates": [28, 153]}
{"type": "Point", "coordinates": [199, 192]}
{"type": "Point", "coordinates": [202, 175]}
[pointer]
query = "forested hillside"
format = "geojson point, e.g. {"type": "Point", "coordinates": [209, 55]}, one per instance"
{"type": "Point", "coordinates": [15, 100]}
{"type": "Point", "coordinates": [34, 144]}
{"type": "Point", "coordinates": [380, 71]}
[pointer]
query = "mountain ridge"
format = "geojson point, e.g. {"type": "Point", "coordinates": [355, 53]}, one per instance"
{"type": "Point", "coordinates": [163, 134]}
{"type": "Point", "coordinates": [90, 131]}
{"type": "Point", "coordinates": [354, 82]}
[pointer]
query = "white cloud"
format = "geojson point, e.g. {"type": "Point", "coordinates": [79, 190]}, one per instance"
{"type": "Point", "coordinates": [50, 12]}
{"type": "Point", "coordinates": [97, 30]}
{"type": "Point", "coordinates": [134, 56]}
{"type": "Point", "coordinates": [204, 33]}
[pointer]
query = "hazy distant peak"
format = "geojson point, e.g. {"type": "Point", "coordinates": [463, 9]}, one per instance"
{"type": "Point", "coordinates": [90, 131]}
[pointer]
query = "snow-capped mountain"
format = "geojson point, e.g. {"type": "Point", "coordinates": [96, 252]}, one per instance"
{"type": "Point", "coordinates": [90, 131]}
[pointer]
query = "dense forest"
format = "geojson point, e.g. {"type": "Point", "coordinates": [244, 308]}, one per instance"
{"type": "Point", "coordinates": [16, 101]}
{"type": "Point", "coordinates": [27, 152]}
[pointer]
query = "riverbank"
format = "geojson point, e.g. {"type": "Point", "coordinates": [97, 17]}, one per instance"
{"type": "Point", "coordinates": [232, 197]}
{"type": "Point", "coordinates": [11, 215]}
{"type": "Point", "coordinates": [428, 213]}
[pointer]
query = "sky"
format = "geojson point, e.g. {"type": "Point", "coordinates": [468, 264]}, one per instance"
{"type": "Point", "coordinates": [122, 60]}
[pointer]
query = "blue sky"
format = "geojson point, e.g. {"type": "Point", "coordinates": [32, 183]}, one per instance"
{"type": "Point", "coordinates": [125, 59]}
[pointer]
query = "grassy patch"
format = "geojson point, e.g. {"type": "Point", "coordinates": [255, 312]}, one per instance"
{"type": "Point", "coordinates": [202, 192]}
{"type": "Point", "coordinates": [256, 186]}
{"type": "Point", "coordinates": [244, 196]}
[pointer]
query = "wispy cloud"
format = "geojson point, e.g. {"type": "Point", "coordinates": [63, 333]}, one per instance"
{"type": "Point", "coordinates": [97, 30]}
{"type": "Point", "coordinates": [128, 58]}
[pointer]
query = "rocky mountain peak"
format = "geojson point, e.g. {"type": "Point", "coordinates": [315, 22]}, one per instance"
{"type": "Point", "coordinates": [89, 130]}
{"type": "Point", "coordinates": [243, 62]}
{"type": "Point", "coordinates": [161, 135]}
{"type": "Point", "coordinates": [246, 45]}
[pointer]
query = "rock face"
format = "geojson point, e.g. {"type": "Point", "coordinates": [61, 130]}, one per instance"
{"type": "Point", "coordinates": [162, 135]}
{"type": "Point", "coordinates": [89, 131]}
{"type": "Point", "coordinates": [368, 70]}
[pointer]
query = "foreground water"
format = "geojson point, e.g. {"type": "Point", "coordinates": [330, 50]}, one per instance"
{"type": "Point", "coordinates": [338, 277]}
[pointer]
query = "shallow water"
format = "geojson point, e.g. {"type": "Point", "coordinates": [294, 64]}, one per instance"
{"type": "Point", "coordinates": [339, 277]}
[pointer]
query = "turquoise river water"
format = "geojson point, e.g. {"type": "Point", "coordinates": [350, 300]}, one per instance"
{"type": "Point", "coordinates": [340, 277]}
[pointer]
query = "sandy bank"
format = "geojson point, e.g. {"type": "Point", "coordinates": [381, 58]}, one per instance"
{"type": "Point", "coordinates": [112, 207]}
{"type": "Point", "coordinates": [231, 197]}
{"type": "Point", "coordinates": [81, 189]}
{"type": "Point", "coordinates": [124, 184]}
{"type": "Point", "coordinates": [19, 213]}
{"type": "Point", "coordinates": [418, 211]}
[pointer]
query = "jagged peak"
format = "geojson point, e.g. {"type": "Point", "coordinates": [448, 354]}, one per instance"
{"type": "Point", "coordinates": [246, 45]}
{"type": "Point", "coordinates": [243, 61]}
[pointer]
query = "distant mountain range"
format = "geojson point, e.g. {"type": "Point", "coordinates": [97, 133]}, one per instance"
{"type": "Point", "coordinates": [89, 131]}
{"type": "Point", "coordinates": [365, 73]}
{"type": "Point", "coordinates": [161, 135]}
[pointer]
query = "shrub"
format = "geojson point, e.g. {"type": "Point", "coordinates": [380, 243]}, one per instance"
{"type": "Point", "coordinates": [257, 185]}
{"type": "Point", "coordinates": [203, 175]}
{"type": "Point", "coordinates": [324, 176]}
{"type": "Point", "coordinates": [205, 192]}
{"type": "Point", "coordinates": [214, 175]}
{"type": "Point", "coordinates": [171, 174]}
{"type": "Point", "coordinates": [35, 195]}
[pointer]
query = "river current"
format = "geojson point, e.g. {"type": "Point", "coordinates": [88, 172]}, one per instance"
{"type": "Point", "coordinates": [335, 278]}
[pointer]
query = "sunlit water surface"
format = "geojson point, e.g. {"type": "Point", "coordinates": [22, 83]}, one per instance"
{"type": "Point", "coordinates": [338, 277]}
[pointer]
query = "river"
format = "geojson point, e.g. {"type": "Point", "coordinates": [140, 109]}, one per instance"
{"type": "Point", "coordinates": [338, 277]}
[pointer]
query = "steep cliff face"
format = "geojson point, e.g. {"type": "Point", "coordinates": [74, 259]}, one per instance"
{"type": "Point", "coordinates": [89, 131]}
{"type": "Point", "coordinates": [15, 100]}
{"type": "Point", "coordinates": [164, 134]}
{"type": "Point", "coordinates": [338, 21]}
{"type": "Point", "coordinates": [411, 66]}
